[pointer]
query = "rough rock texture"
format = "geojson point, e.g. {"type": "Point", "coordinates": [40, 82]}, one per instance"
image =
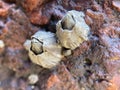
{"type": "Point", "coordinates": [94, 65]}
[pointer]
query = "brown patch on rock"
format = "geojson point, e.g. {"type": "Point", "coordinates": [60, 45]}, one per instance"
{"type": "Point", "coordinates": [11, 38]}
{"type": "Point", "coordinates": [78, 5]}
{"type": "Point", "coordinates": [29, 5]}
{"type": "Point", "coordinates": [4, 9]}
{"type": "Point", "coordinates": [111, 67]}
{"type": "Point", "coordinates": [114, 83]}
{"type": "Point", "coordinates": [41, 11]}
{"type": "Point", "coordinates": [82, 49]}
{"type": "Point", "coordinates": [62, 80]}
{"type": "Point", "coordinates": [2, 51]}
{"type": "Point", "coordinates": [88, 20]}
{"type": "Point", "coordinates": [110, 39]}
{"type": "Point", "coordinates": [14, 32]}
{"type": "Point", "coordinates": [52, 81]}
{"type": "Point", "coordinates": [97, 17]}
{"type": "Point", "coordinates": [96, 6]}
{"type": "Point", "coordinates": [38, 18]}
{"type": "Point", "coordinates": [16, 59]}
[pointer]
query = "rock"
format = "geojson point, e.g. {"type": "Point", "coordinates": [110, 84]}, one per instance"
{"type": "Point", "coordinates": [88, 20]}
{"type": "Point", "coordinates": [29, 5]}
{"type": "Point", "coordinates": [4, 9]}
{"type": "Point", "coordinates": [95, 15]}
{"type": "Point", "coordinates": [94, 65]}
{"type": "Point", "coordinates": [39, 18]}
{"type": "Point", "coordinates": [14, 29]}
{"type": "Point", "coordinates": [41, 11]}
{"type": "Point", "coordinates": [114, 83]}
{"type": "Point", "coordinates": [61, 80]}
{"type": "Point", "coordinates": [96, 6]}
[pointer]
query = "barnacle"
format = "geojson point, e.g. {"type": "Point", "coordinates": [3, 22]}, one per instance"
{"type": "Point", "coordinates": [2, 45]}
{"type": "Point", "coordinates": [33, 78]}
{"type": "Point", "coordinates": [72, 30]}
{"type": "Point", "coordinates": [43, 49]}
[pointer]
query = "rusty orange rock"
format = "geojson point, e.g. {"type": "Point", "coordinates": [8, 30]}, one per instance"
{"type": "Point", "coordinates": [4, 9]}
{"type": "Point", "coordinates": [88, 20]}
{"type": "Point", "coordinates": [61, 80]}
{"type": "Point", "coordinates": [39, 18]}
{"type": "Point", "coordinates": [95, 15]}
{"type": "Point", "coordinates": [30, 5]}
{"type": "Point", "coordinates": [52, 81]}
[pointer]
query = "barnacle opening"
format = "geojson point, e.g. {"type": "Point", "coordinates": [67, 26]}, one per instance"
{"type": "Point", "coordinates": [68, 22]}
{"type": "Point", "coordinates": [36, 46]}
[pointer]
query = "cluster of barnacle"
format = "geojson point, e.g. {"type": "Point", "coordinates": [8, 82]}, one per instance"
{"type": "Point", "coordinates": [46, 48]}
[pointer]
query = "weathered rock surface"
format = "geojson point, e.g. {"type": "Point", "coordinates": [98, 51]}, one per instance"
{"type": "Point", "coordinates": [94, 65]}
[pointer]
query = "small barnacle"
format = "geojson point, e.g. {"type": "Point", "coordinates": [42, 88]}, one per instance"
{"type": "Point", "coordinates": [72, 30]}
{"type": "Point", "coordinates": [33, 78]}
{"type": "Point", "coordinates": [43, 49]}
{"type": "Point", "coordinates": [2, 45]}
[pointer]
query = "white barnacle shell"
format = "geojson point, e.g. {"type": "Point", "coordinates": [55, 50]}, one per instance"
{"type": "Point", "coordinates": [2, 45]}
{"type": "Point", "coordinates": [72, 30]}
{"type": "Point", "coordinates": [43, 49]}
{"type": "Point", "coordinates": [33, 78]}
